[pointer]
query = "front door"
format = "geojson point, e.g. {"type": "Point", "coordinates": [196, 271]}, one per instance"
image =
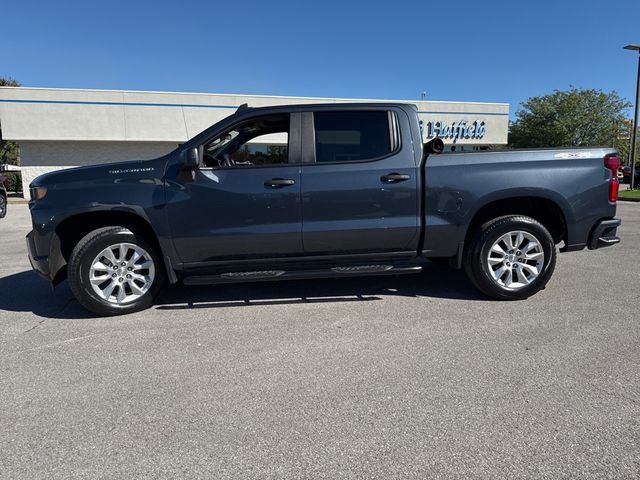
{"type": "Point", "coordinates": [244, 200]}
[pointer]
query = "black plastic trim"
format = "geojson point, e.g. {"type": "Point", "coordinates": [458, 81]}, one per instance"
{"type": "Point", "coordinates": [171, 274]}
{"type": "Point", "coordinates": [296, 275]}
{"type": "Point", "coordinates": [603, 234]}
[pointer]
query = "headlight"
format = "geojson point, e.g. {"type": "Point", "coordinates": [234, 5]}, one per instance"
{"type": "Point", "coordinates": [37, 193]}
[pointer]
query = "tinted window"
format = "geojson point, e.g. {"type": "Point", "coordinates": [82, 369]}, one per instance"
{"type": "Point", "coordinates": [261, 141]}
{"type": "Point", "coordinates": [351, 136]}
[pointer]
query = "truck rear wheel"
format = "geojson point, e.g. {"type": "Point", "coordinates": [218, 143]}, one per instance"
{"type": "Point", "coordinates": [511, 258]}
{"type": "Point", "coordinates": [113, 271]}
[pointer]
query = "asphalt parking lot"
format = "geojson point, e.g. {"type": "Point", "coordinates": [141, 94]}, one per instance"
{"type": "Point", "coordinates": [397, 377]}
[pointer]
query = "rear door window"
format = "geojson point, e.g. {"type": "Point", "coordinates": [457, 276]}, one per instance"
{"type": "Point", "coordinates": [352, 136]}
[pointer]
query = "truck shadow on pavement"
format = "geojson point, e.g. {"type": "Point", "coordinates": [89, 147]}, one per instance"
{"type": "Point", "coordinates": [439, 282]}
{"type": "Point", "coordinates": [26, 292]}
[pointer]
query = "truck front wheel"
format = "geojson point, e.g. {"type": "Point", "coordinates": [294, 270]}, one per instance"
{"type": "Point", "coordinates": [113, 271]}
{"type": "Point", "coordinates": [511, 258]}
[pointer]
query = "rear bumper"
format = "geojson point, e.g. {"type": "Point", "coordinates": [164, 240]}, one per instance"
{"type": "Point", "coordinates": [603, 234]}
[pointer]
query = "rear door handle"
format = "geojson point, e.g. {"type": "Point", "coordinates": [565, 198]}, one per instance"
{"type": "Point", "coordinates": [279, 182]}
{"type": "Point", "coordinates": [394, 177]}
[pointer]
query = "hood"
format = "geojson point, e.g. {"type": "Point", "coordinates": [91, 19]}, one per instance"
{"type": "Point", "coordinates": [104, 171]}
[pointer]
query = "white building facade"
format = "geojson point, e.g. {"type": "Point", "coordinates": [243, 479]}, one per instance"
{"type": "Point", "coordinates": [61, 128]}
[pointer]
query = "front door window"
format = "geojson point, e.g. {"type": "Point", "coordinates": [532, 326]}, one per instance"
{"type": "Point", "coordinates": [257, 142]}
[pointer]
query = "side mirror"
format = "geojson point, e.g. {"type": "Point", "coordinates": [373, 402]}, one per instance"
{"type": "Point", "coordinates": [434, 146]}
{"type": "Point", "coordinates": [191, 158]}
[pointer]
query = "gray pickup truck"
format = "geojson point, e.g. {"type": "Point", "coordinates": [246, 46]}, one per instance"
{"type": "Point", "coordinates": [311, 191]}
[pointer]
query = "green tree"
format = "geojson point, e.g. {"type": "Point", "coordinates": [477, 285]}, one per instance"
{"type": "Point", "coordinates": [571, 118]}
{"type": "Point", "coordinates": [8, 150]}
{"type": "Point", "coordinates": [623, 140]}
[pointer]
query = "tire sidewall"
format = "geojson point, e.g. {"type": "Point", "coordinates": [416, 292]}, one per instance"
{"type": "Point", "coordinates": [91, 299]}
{"type": "Point", "coordinates": [485, 277]}
{"type": "Point", "coordinates": [3, 206]}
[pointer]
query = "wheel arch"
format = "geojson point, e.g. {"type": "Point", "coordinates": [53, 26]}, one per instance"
{"type": "Point", "coordinates": [74, 227]}
{"type": "Point", "coordinates": [550, 210]}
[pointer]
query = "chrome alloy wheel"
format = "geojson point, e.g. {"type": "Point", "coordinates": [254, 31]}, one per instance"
{"type": "Point", "coordinates": [515, 260]}
{"type": "Point", "coordinates": [122, 273]}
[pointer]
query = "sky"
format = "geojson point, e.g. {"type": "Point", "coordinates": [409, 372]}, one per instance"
{"type": "Point", "coordinates": [486, 51]}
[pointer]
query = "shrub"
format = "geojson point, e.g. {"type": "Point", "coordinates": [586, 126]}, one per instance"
{"type": "Point", "coordinates": [14, 181]}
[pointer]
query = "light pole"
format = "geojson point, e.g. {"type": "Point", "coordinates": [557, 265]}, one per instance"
{"type": "Point", "coordinates": [635, 117]}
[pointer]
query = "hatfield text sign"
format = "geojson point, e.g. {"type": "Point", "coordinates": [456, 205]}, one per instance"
{"type": "Point", "coordinates": [456, 130]}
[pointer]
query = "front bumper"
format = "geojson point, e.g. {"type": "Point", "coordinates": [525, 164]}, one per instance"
{"type": "Point", "coordinates": [52, 265]}
{"type": "Point", "coordinates": [40, 264]}
{"type": "Point", "coordinates": [603, 234]}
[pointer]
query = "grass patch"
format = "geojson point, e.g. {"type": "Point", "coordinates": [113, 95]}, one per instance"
{"type": "Point", "coordinates": [629, 194]}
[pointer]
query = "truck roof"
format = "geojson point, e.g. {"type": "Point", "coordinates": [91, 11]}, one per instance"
{"type": "Point", "coordinates": [245, 108]}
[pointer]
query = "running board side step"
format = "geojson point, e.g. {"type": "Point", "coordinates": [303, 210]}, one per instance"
{"type": "Point", "coordinates": [268, 275]}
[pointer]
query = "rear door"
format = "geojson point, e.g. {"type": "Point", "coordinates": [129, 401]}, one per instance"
{"type": "Point", "coordinates": [359, 182]}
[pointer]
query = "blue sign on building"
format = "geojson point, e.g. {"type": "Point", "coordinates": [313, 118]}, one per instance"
{"type": "Point", "coordinates": [456, 130]}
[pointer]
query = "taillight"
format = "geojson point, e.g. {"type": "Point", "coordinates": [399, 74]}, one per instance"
{"type": "Point", "coordinates": [612, 162]}
{"type": "Point", "coordinates": [613, 189]}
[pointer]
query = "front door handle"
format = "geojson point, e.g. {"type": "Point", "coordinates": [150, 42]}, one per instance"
{"type": "Point", "coordinates": [279, 182]}
{"type": "Point", "coordinates": [394, 177]}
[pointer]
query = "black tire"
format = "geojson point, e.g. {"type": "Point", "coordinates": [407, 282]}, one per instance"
{"type": "Point", "coordinates": [3, 205]}
{"type": "Point", "coordinates": [82, 256]}
{"type": "Point", "coordinates": [477, 266]}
